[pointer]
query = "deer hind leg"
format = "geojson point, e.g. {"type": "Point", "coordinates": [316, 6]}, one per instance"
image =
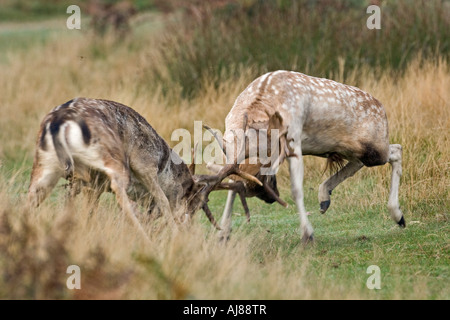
{"type": "Point", "coordinates": [395, 159]}
{"type": "Point", "coordinates": [92, 194]}
{"type": "Point", "coordinates": [332, 182]}
{"type": "Point", "coordinates": [73, 188]}
{"type": "Point", "coordinates": [90, 183]}
{"type": "Point", "coordinates": [296, 173]}
{"type": "Point", "coordinates": [43, 180]}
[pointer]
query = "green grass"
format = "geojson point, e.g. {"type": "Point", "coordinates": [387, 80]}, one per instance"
{"type": "Point", "coordinates": [15, 39]}
{"type": "Point", "coordinates": [414, 261]}
{"type": "Point", "coordinates": [34, 10]}
{"type": "Point", "coordinates": [347, 241]}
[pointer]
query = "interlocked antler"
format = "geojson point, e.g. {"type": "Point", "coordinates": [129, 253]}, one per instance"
{"type": "Point", "coordinates": [285, 152]}
{"type": "Point", "coordinates": [210, 216]}
{"type": "Point", "coordinates": [234, 167]}
{"type": "Point", "coordinates": [239, 188]}
{"type": "Point", "coordinates": [242, 190]}
{"type": "Point", "coordinates": [215, 183]}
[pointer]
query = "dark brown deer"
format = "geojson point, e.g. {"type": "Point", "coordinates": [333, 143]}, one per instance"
{"type": "Point", "coordinates": [107, 146]}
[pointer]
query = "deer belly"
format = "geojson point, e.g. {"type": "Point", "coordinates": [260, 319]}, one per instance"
{"type": "Point", "coordinates": [316, 145]}
{"type": "Point", "coordinates": [326, 141]}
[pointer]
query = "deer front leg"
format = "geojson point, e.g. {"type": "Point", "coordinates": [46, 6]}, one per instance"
{"type": "Point", "coordinates": [160, 203]}
{"type": "Point", "coordinates": [119, 184]}
{"type": "Point", "coordinates": [332, 182]}
{"type": "Point", "coordinates": [225, 222]}
{"type": "Point", "coordinates": [296, 173]}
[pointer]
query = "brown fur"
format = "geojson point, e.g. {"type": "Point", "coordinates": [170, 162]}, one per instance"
{"type": "Point", "coordinates": [117, 150]}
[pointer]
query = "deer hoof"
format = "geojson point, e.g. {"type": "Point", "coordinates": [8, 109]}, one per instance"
{"type": "Point", "coordinates": [402, 223]}
{"type": "Point", "coordinates": [224, 235]}
{"type": "Point", "coordinates": [324, 206]}
{"type": "Point", "coordinates": [307, 239]}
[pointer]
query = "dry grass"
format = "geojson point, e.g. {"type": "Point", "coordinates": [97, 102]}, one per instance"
{"type": "Point", "coordinates": [36, 246]}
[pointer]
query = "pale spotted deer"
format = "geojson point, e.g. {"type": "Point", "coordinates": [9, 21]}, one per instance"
{"type": "Point", "coordinates": [319, 117]}
{"type": "Point", "coordinates": [107, 146]}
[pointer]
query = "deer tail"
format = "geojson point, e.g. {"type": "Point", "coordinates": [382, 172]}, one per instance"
{"type": "Point", "coordinates": [61, 148]}
{"type": "Point", "coordinates": [335, 162]}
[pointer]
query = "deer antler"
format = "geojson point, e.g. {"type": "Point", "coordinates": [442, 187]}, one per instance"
{"type": "Point", "coordinates": [232, 168]}
{"type": "Point", "coordinates": [274, 195]}
{"type": "Point", "coordinates": [220, 142]}
{"type": "Point", "coordinates": [210, 216]}
{"type": "Point", "coordinates": [285, 152]}
{"type": "Point", "coordinates": [239, 188]}
{"type": "Point", "coordinates": [192, 165]}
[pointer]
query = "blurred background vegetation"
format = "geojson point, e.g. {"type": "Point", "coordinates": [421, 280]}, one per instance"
{"type": "Point", "coordinates": [213, 40]}
{"type": "Point", "coordinates": [35, 10]}
{"type": "Point", "coordinates": [313, 37]}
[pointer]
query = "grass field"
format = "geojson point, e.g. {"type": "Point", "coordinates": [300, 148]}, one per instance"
{"type": "Point", "coordinates": [43, 64]}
